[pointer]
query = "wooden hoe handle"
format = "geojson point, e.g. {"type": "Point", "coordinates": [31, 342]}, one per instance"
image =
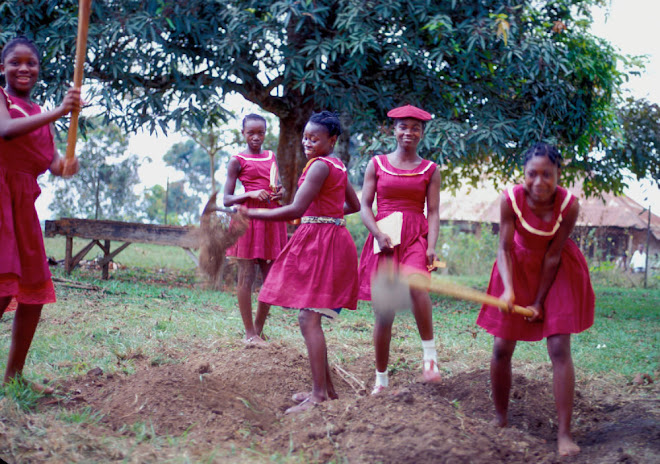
{"type": "Point", "coordinates": [84, 8]}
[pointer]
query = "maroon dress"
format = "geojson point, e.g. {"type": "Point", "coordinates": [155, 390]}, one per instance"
{"type": "Point", "coordinates": [262, 239]}
{"type": "Point", "coordinates": [24, 272]}
{"type": "Point", "coordinates": [318, 266]}
{"type": "Point", "coordinates": [405, 191]}
{"type": "Point", "coordinates": [569, 304]}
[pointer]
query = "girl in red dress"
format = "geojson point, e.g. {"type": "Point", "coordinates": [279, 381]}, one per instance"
{"type": "Point", "coordinates": [402, 182]}
{"type": "Point", "coordinates": [538, 266]}
{"type": "Point", "coordinates": [316, 272]}
{"type": "Point", "coordinates": [26, 151]}
{"type": "Point", "coordinates": [263, 241]}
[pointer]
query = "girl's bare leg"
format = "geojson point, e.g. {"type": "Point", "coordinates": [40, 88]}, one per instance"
{"type": "Point", "coordinates": [246, 275]}
{"type": "Point", "coordinates": [422, 312]}
{"type": "Point", "coordinates": [563, 385]}
{"type": "Point", "coordinates": [262, 308]}
{"type": "Point", "coordinates": [382, 338]}
{"type": "Point", "coordinates": [23, 330]}
{"type": "Point", "coordinates": [500, 378]}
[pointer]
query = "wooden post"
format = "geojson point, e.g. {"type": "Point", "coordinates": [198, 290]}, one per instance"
{"type": "Point", "coordinates": [106, 264]}
{"type": "Point", "coordinates": [68, 254]}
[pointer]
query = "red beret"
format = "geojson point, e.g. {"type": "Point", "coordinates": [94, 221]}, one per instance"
{"type": "Point", "coordinates": [409, 111]}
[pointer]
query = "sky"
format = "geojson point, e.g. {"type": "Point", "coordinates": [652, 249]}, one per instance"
{"type": "Point", "coordinates": [629, 25]}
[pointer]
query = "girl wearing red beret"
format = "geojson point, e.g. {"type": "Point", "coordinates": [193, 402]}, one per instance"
{"type": "Point", "coordinates": [403, 182]}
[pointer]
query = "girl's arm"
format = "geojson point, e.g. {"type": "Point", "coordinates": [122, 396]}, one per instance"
{"type": "Point", "coordinates": [229, 199]}
{"type": "Point", "coordinates": [552, 258]}
{"type": "Point", "coordinates": [61, 167]}
{"type": "Point", "coordinates": [504, 266]}
{"type": "Point", "coordinates": [11, 128]}
{"type": "Point", "coordinates": [352, 204]}
{"type": "Point", "coordinates": [366, 204]}
{"type": "Point", "coordinates": [310, 188]}
{"type": "Point", "coordinates": [433, 216]}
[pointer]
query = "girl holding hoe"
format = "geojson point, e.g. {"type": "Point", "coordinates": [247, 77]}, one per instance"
{"type": "Point", "coordinates": [27, 150]}
{"type": "Point", "coordinates": [316, 273]}
{"type": "Point", "coordinates": [538, 266]}
{"type": "Point", "coordinates": [263, 240]}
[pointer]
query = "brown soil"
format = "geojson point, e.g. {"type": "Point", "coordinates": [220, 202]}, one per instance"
{"type": "Point", "coordinates": [236, 396]}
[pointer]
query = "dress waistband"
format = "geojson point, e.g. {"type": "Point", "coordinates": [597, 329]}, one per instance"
{"type": "Point", "coordinates": [323, 220]}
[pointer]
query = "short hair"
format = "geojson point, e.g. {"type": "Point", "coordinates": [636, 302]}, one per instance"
{"type": "Point", "coordinates": [544, 149]}
{"type": "Point", "coordinates": [254, 117]}
{"type": "Point", "coordinates": [15, 42]}
{"type": "Point", "coordinates": [329, 120]}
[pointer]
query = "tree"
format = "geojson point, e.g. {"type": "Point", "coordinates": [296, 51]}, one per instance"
{"type": "Point", "coordinates": [182, 208]}
{"type": "Point", "coordinates": [497, 74]}
{"type": "Point", "coordinates": [636, 143]}
{"type": "Point", "coordinates": [103, 189]}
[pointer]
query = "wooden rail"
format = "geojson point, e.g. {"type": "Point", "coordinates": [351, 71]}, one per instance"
{"type": "Point", "coordinates": [102, 233]}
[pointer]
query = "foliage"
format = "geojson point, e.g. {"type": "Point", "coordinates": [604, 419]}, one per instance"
{"type": "Point", "coordinates": [637, 142]}
{"type": "Point", "coordinates": [182, 208]}
{"type": "Point", "coordinates": [497, 74]}
{"type": "Point", "coordinates": [103, 188]}
{"type": "Point", "coordinates": [467, 253]}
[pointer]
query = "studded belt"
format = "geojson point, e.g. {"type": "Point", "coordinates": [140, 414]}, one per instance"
{"type": "Point", "coordinates": [323, 220]}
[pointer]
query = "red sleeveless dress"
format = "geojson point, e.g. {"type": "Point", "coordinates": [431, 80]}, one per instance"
{"type": "Point", "coordinates": [405, 191]}
{"type": "Point", "coordinates": [24, 272]}
{"type": "Point", "coordinates": [318, 266]}
{"type": "Point", "coordinates": [262, 239]}
{"type": "Point", "coordinates": [569, 304]}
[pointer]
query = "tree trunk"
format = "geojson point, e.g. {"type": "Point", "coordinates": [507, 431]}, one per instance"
{"type": "Point", "coordinates": [290, 158]}
{"type": "Point", "coordinates": [344, 140]}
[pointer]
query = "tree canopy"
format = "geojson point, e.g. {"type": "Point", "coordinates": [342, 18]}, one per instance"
{"type": "Point", "coordinates": [498, 75]}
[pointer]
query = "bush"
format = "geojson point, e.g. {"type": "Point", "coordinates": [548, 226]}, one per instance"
{"type": "Point", "coordinates": [465, 253]}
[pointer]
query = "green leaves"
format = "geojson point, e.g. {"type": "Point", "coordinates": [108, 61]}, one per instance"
{"type": "Point", "coordinates": [497, 75]}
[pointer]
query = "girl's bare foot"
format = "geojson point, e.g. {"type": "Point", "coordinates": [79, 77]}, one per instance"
{"type": "Point", "coordinates": [42, 389]}
{"type": "Point", "coordinates": [566, 446]}
{"type": "Point", "coordinates": [308, 403]}
{"type": "Point", "coordinates": [302, 396]}
{"type": "Point", "coordinates": [255, 340]}
{"type": "Point", "coordinates": [499, 422]}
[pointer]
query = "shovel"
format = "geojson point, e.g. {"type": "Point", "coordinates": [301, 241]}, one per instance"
{"type": "Point", "coordinates": [390, 292]}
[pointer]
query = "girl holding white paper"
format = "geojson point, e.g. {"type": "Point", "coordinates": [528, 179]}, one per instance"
{"type": "Point", "coordinates": [400, 234]}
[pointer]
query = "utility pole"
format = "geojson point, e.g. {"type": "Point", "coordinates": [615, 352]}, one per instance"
{"type": "Point", "coordinates": [167, 191]}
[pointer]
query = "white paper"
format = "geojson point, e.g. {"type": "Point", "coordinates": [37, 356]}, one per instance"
{"type": "Point", "coordinates": [390, 225]}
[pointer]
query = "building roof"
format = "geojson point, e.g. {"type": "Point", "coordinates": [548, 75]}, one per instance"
{"type": "Point", "coordinates": [481, 204]}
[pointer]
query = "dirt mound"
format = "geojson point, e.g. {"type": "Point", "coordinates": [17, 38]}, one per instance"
{"type": "Point", "coordinates": [232, 395]}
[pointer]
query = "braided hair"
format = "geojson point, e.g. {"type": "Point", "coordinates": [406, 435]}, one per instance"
{"type": "Point", "coordinates": [329, 120]}
{"type": "Point", "coordinates": [544, 149]}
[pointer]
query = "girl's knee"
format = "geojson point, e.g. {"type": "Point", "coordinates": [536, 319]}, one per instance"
{"type": "Point", "coordinates": [559, 348]}
{"type": "Point", "coordinates": [503, 350]}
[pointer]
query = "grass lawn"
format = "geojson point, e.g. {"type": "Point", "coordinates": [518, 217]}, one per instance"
{"type": "Point", "coordinates": [153, 309]}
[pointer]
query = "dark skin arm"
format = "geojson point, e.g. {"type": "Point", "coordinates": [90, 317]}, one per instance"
{"type": "Point", "coordinates": [12, 128]}
{"type": "Point", "coordinates": [433, 217]}
{"type": "Point", "coordinates": [229, 199]}
{"type": "Point", "coordinates": [352, 204]}
{"type": "Point", "coordinates": [504, 266]}
{"type": "Point", "coordinates": [310, 188]}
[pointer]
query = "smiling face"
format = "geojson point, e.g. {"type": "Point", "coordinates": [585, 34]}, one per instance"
{"type": "Point", "coordinates": [21, 70]}
{"type": "Point", "coordinates": [541, 177]}
{"type": "Point", "coordinates": [317, 141]}
{"type": "Point", "coordinates": [254, 131]}
{"type": "Point", "coordinates": [408, 132]}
